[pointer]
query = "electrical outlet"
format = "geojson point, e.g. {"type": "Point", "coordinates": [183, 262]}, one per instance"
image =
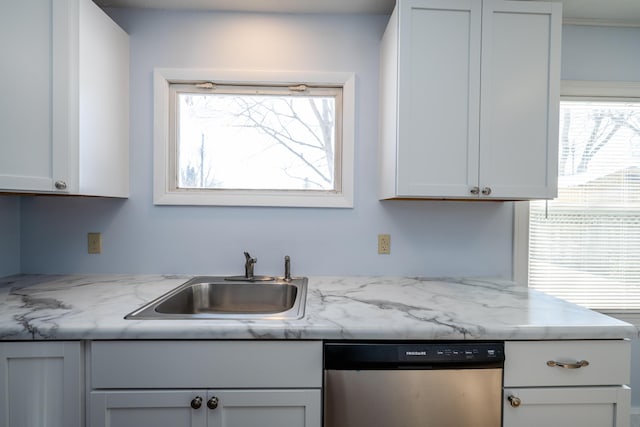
{"type": "Point", "coordinates": [384, 244]}
{"type": "Point", "coordinates": [94, 243]}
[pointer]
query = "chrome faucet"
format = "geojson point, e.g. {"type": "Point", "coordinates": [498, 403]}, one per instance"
{"type": "Point", "coordinates": [248, 266]}
{"type": "Point", "coordinates": [287, 268]}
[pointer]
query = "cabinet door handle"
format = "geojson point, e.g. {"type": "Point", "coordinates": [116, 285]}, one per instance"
{"type": "Point", "coordinates": [577, 365]}
{"type": "Point", "coordinates": [60, 185]}
{"type": "Point", "coordinates": [475, 190]}
{"type": "Point", "coordinates": [514, 401]}
{"type": "Point", "coordinates": [486, 191]}
{"type": "Point", "coordinates": [212, 403]}
{"type": "Point", "coordinates": [196, 403]}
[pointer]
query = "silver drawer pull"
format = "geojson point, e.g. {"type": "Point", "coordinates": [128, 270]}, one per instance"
{"type": "Point", "coordinates": [576, 365]}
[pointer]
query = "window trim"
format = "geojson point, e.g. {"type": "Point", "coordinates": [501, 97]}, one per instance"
{"type": "Point", "coordinates": [569, 89]}
{"type": "Point", "coordinates": [162, 178]}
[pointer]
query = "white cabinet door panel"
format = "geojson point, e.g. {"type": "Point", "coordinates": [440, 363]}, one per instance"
{"type": "Point", "coordinates": [29, 33]}
{"type": "Point", "coordinates": [235, 408]}
{"type": "Point", "coordinates": [147, 409]}
{"type": "Point", "coordinates": [265, 408]}
{"type": "Point", "coordinates": [520, 92]}
{"type": "Point", "coordinates": [438, 97]}
{"type": "Point", "coordinates": [40, 384]}
{"type": "Point", "coordinates": [562, 407]}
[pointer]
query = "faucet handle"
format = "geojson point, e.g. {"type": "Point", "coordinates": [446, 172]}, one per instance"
{"type": "Point", "coordinates": [249, 259]}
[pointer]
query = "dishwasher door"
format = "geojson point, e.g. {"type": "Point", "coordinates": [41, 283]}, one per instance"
{"type": "Point", "coordinates": [413, 384]}
{"type": "Point", "coordinates": [413, 398]}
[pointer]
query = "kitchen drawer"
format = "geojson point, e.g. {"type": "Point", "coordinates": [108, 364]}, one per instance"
{"type": "Point", "coordinates": [526, 363]}
{"type": "Point", "coordinates": [205, 364]}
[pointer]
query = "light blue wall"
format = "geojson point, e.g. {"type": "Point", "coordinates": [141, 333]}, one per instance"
{"type": "Point", "coordinates": [608, 54]}
{"type": "Point", "coordinates": [600, 53]}
{"type": "Point", "coordinates": [427, 238]}
{"type": "Point", "coordinates": [9, 235]}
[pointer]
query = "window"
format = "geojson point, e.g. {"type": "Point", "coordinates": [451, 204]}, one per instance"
{"type": "Point", "coordinates": [584, 246]}
{"type": "Point", "coordinates": [260, 139]}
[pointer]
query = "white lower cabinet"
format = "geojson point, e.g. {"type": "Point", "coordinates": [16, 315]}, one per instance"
{"type": "Point", "coordinates": [41, 384]}
{"type": "Point", "coordinates": [210, 408]}
{"type": "Point", "coordinates": [571, 406]}
{"type": "Point", "coordinates": [567, 383]}
{"type": "Point", "coordinates": [205, 383]}
{"type": "Point", "coordinates": [276, 384]}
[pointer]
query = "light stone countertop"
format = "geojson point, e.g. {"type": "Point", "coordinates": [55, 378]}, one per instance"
{"type": "Point", "coordinates": [92, 307]}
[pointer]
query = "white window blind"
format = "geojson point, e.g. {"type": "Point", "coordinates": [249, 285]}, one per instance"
{"type": "Point", "coordinates": [584, 246]}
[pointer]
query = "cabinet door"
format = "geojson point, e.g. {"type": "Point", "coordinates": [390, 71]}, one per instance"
{"type": "Point", "coordinates": [147, 409]}
{"type": "Point", "coordinates": [33, 82]}
{"type": "Point", "coordinates": [438, 97]}
{"type": "Point", "coordinates": [570, 406]}
{"type": "Point", "coordinates": [520, 99]}
{"type": "Point", "coordinates": [265, 408]}
{"type": "Point", "coordinates": [40, 384]}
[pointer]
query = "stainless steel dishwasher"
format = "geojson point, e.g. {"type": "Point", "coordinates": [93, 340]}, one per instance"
{"type": "Point", "coordinates": [425, 384]}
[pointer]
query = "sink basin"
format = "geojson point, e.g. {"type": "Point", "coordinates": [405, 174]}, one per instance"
{"type": "Point", "coordinates": [211, 297]}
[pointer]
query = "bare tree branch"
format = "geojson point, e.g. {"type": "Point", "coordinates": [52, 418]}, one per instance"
{"type": "Point", "coordinates": [326, 126]}
{"type": "Point", "coordinates": [283, 139]}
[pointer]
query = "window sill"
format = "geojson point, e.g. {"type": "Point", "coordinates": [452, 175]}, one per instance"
{"type": "Point", "coordinates": [254, 198]}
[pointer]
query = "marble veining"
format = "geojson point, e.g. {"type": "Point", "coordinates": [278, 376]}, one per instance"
{"type": "Point", "coordinates": [50, 307]}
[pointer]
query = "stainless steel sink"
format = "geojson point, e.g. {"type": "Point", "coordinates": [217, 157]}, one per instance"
{"type": "Point", "coordinates": [212, 297]}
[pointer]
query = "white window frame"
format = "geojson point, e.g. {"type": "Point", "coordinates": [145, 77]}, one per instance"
{"type": "Point", "coordinates": [164, 192]}
{"type": "Point", "coordinates": [584, 90]}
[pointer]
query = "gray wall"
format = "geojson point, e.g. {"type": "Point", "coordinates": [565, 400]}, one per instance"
{"type": "Point", "coordinates": [600, 53]}
{"type": "Point", "coordinates": [427, 238]}
{"type": "Point", "coordinates": [9, 235]}
{"type": "Point", "coordinates": [635, 374]}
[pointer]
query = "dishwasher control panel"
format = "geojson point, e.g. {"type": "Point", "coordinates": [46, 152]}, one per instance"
{"type": "Point", "coordinates": [481, 352]}
{"type": "Point", "coordinates": [420, 355]}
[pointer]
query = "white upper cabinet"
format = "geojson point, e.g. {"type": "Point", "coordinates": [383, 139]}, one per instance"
{"type": "Point", "coordinates": [64, 110]}
{"type": "Point", "coordinates": [469, 100]}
